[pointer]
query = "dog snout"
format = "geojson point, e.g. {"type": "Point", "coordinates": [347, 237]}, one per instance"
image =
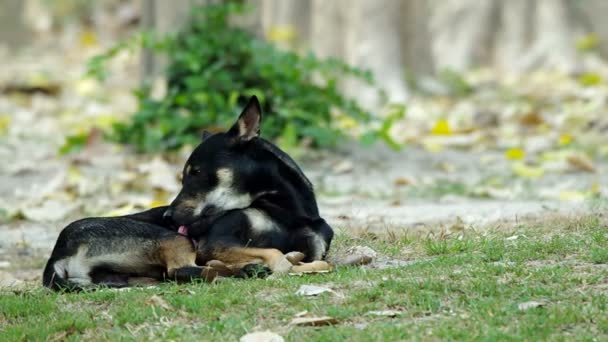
{"type": "Point", "coordinates": [168, 215]}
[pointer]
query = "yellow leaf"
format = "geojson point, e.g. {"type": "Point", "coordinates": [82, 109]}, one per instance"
{"type": "Point", "coordinates": [527, 171]}
{"type": "Point", "coordinates": [515, 154]}
{"type": "Point", "coordinates": [160, 198]}
{"type": "Point", "coordinates": [590, 79]}
{"type": "Point", "coordinates": [346, 122]}
{"type": "Point", "coordinates": [431, 146]}
{"type": "Point", "coordinates": [74, 174]}
{"type": "Point", "coordinates": [156, 203]}
{"type": "Point", "coordinates": [565, 139]}
{"type": "Point", "coordinates": [105, 121]}
{"type": "Point", "coordinates": [281, 34]}
{"type": "Point", "coordinates": [5, 122]}
{"type": "Point", "coordinates": [442, 127]}
{"type": "Point", "coordinates": [86, 87]}
{"type": "Point", "coordinates": [88, 38]}
{"type": "Point", "coordinates": [595, 188]}
{"type": "Point", "coordinates": [588, 42]}
{"type": "Point", "coordinates": [572, 196]}
{"type": "Point", "coordinates": [121, 211]}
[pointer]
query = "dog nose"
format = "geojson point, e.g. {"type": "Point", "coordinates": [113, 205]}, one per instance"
{"type": "Point", "coordinates": [168, 215]}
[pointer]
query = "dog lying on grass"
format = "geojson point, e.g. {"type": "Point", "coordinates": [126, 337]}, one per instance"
{"type": "Point", "coordinates": [244, 202]}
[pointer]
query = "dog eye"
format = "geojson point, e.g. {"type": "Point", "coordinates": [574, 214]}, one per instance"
{"type": "Point", "coordinates": [195, 170]}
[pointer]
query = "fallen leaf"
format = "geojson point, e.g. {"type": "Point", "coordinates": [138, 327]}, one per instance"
{"type": "Point", "coordinates": [385, 313]}
{"type": "Point", "coordinates": [531, 119]}
{"type": "Point", "coordinates": [313, 290]}
{"type": "Point", "coordinates": [313, 321]}
{"type": "Point", "coordinates": [5, 122]}
{"type": "Point", "coordinates": [515, 154]}
{"type": "Point", "coordinates": [262, 336]}
{"type": "Point", "coordinates": [581, 162]}
{"type": "Point", "coordinates": [88, 38]}
{"type": "Point", "coordinates": [565, 139]}
{"type": "Point", "coordinates": [573, 196]}
{"type": "Point", "coordinates": [158, 301]}
{"type": "Point", "coordinates": [402, 181]}
{"type": "Point", "coordinates": [527, 171]}
{"type": "Point", "coordinates": [442, 127]}
{"type": "Point", "coordinates": [530, 305]}
{"type": "Point", "coordinates": [301, 313]}
{"type": "Point", "coordinates": [344, 166]}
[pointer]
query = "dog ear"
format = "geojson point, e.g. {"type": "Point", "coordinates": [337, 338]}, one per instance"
{"type": "Point", "coordinates": [247, 126]}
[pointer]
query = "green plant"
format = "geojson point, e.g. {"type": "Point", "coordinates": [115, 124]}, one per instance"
{"type": "Point", "coordinates": [214, 67]}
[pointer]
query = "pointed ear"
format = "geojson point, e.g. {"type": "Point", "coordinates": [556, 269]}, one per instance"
{"type": "Point", "coordinates": [247, 126]}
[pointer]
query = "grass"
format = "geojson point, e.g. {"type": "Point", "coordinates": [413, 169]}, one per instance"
{"type": "Point", "coordinates": [462, 286]}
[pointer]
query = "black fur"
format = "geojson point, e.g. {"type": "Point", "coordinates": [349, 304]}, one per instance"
{"type": "Point", "coordinates": [258, 179]}
{"type": "Point", "coordinates": [277, 188]}
{"type": "Point", "coordinates": [138, 233]}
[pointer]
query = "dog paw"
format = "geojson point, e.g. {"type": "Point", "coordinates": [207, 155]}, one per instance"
{"type": "Point", "coordinates": [295, 257]}
{"type": "Point", "coordinates": [312, 267]}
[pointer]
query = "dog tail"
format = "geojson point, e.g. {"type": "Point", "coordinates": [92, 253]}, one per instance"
{"type": "Point", "coordinates": [55, 281]}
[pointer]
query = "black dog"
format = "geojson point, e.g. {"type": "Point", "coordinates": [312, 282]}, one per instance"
{"type": "Point", "coordinates": [244, 199]}
{"type": "Point", "coordinates": [113, 250]}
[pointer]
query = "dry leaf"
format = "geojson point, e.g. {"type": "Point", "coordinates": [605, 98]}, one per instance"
{"type": "Point", "coordinates": [313, 321]}
{"type": "Point", "coordinates": [402, 181]}
{"type": "Point", "coordinates": [158, 301]}
{"type": "Point", "coordinates": [261, 336]}
{"type": "Point", "coordinates": [526, 171]}
{"type": "Point", "coordinates": [531, 119]}
{"type": "Point", "coordinates": [385, 313]}
{"type": "Point", "coordinates": [312, 290]}
{"type": "Point", "coordinates": [344, 166]}
{"type": "Point", "coordinates": [530, 305]}
{"type": "Point", "coordinates": [581, 162]}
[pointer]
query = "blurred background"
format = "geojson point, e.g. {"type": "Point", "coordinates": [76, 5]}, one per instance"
{"type": "Point", "coordinates": [407, 114]}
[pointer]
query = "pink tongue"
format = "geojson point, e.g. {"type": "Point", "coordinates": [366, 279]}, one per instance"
{"type": "Point", "coordinates": [182, 230]}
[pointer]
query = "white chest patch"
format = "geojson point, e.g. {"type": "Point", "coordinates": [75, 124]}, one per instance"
{"type": "Point", "coordinates": [225, 196]}
{"type": "Point", "coordinates": [260, 222]}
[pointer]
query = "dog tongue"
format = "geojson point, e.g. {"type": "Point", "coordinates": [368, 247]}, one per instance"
{"type": "Point", "coordinates": [182, 230]}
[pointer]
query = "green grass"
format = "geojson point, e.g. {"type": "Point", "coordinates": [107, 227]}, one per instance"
{"type": "Point", "coordinates": [464, 286]}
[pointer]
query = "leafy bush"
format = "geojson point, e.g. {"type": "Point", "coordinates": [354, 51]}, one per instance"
{"type": "Point", "coordinates": [214, 67]}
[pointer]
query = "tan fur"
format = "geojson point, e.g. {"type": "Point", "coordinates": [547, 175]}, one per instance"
{"type": "Point", "coordinates": [177, 252]}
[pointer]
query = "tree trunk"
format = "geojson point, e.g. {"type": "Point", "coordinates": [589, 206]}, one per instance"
{"type": "Point", "coordinates": [374, 42]}
{"type": "Point", "coordinates": [286, 22]}
{"type": "Point", "coordinates": [13, 32]}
